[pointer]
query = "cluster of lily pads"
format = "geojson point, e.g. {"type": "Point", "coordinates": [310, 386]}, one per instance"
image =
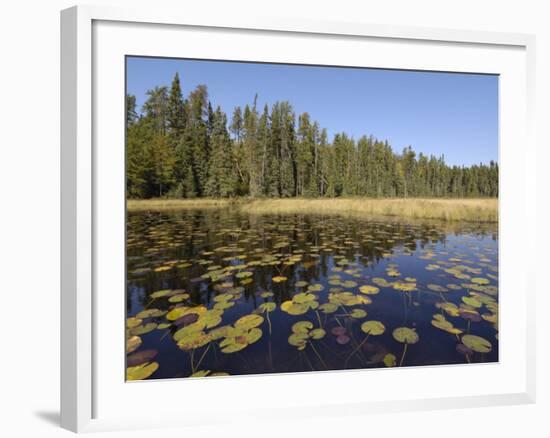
{"type": "Point", "coordinates": [294, 293]}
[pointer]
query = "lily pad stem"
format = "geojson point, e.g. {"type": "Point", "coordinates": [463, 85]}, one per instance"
{"type": "Point", "coordinates": [268, 322]}
{"type": "Point", "coordinates": [192, 362]}
{"type": "Point", "coordinates": [319, 319]}
{"type": "Point", "coordinates": [403, 355]}
{"type": "Point", "coordinates": [357, 348]}
{"type": "Point", "coordinates": [203, 354]}
{"type": "Point", "coordinates": [318, 355]}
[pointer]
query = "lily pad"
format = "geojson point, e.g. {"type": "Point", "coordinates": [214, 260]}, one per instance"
{"type": "Point", "coordinates": [267, 307]}
{"type": "Point", "coordinates": [441, 323]}
{"type": "Point", "coordinates": [373, 328]}
{"type": "Point", "coordinates": [143, 329]}
{"type": "Point", "coordinates": [343, 339]}
{"type": "Point", "coordinates": [471, 302]}
{"type": "Point", "coordinates": [477, 343]}
{"type": "Point", "coordinates": [201, 373]}
{"type": "Point", "coordinates": [390, 360]}
{"type": "Point", "coordinates": [141, 357]}
{"type": "Point", "coordinates": [328, 308]}
{"type": "Point", "coordinates": [369, 290]}
{"type": "Point", "coordinates": [248, 322]}
{"type": "Point", "coordinates": [133, 322]}
{"type": "Point", "coordinates": [405, 335]}
{"type": "Point", "coordinates": [337, 331]}
{"type": "Point", "coordinates": [298, 340]}
{"type": "Point", "coordinates": [317, 333]}
{"type": "Point", "coordinates": [150, 313]}
{"type": "Point", "coordinates": [132, 344]}
{"type": "Point", "coordinates": [462, 349]}
{"type": "Point", "coordinates": [141, 372]}
{"type": "Point", "coordinates": [358, 313]}
{"type": "Point", "coordinates": [302, 327]}
{"type": "Point", "coordinates": [161, 293]}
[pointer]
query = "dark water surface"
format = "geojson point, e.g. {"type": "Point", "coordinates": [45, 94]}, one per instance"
{"type": "Point", "coordinates": [198, 273]}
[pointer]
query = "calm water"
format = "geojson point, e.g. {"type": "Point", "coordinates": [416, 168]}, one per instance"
{"type": "Point", "coordinates": [197, 273]}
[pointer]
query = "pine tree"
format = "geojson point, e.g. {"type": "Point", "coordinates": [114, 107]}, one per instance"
{"type": "Point", "coordinates": [131, 113]}
{"type": "Point", "coordinates": [176, 114]}
{"type": "Point", "coordinates": [156, 109]}
{"type": "Point", "coordinates": [182, 148]}
{"type": "Point", "coordinates": [222, 177]}
{"type": "Point", "coordinates": [195, 145]}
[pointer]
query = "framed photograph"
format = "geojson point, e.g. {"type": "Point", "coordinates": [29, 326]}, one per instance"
{"type": "Point", "coordinates": [316, 218]}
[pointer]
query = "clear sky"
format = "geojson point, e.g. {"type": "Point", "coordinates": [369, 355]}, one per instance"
{"type": "Point", "coordinates": [436, 113]}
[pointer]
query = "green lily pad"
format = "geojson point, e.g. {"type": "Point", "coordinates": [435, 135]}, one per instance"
{"type": "Point", "coordinates": [133, 322]}
{"type": "Point", "coordinates": [302, 327]}
{"type": "Point", "coordinates": [404, 286]}
{"type": "Point", "coordinates": [253, 335]}
{"type": "Point", "coordinates": [372, 327]}
{"type": "Point", "coordinates": [267, 307]}
{"type": "Point", "coordinates": [471, 302]}
{"type": "Point", "coordinates": [143, 329]}
{"type": "Point", "coordinates": [328, 308]}
{"type": "Point", "coordinates": [369, 290]}
{"type": "Point", "coordinates": [315, 288]}
{"type": "Point", "coordinates": [441, 323]}
{"type": "Point", "coordinates": [390, 360]}
{"type": "Point", "coordinates": [405, 335]}
{"type": "Point", "coordinates": [141, 372]}
{"type": "Point", "coordinates": [201, 373]}
{"type": "Point", "coordinates": [248, 322]}
{"type": "Point", "coordinates": [317, 333]}
{"type": "Point", "coordinates": [161, 293]}
{"type": "Point", "coordinates": [193, 340]}
{"type": "Point", "coordinates": [222, 305]}
{"type": "Point", "coordinates": [298, 340]}
{"type": "Point", "coordinates": [477, 343]}
{"type": "Point", "coordinates": [150, 313]}
{"type": "Point", "coordinates": [480, 281]}
{"type": "Point", "coordinates": [294, 309]}
{"type": "Point", "coordinates": [358, 313]}
{"type": "Point", "coordinates": [449, 308]}
{"type": "Point", "coordinates": [132, 344]}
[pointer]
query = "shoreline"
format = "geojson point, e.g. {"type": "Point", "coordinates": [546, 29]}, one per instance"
{"type": "Point", "coordinates": [480, 210]}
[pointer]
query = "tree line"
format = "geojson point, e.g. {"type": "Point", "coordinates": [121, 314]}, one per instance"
{"type": "Point", "coordinates": [183, 148]}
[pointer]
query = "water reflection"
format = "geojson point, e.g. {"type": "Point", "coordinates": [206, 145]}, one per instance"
{"type": "Point", "coordinates": [226, 265]}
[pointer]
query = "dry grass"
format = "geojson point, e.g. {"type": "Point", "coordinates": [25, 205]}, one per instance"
{"type": "Point", "coordinates": [176, 204]}
{"type": "Point", "coordinates": [450, 210]}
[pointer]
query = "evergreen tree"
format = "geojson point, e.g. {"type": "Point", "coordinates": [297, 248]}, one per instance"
{"type": "Point", "coordinates": [176, 114]}
{"type": "Point", "coordinates": [131, 113]}
{"type": "Point", "coordinates": [195, 146]}
{"type": "Point", "coordinates": [183, 148]}
{"type": "Point", "coordinates": [156, 108]}
{"type": "Point", "coordinates": [222, 177]}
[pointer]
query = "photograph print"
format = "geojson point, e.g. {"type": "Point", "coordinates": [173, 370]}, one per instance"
{"type": "Point", "coordinates": [293, 218]}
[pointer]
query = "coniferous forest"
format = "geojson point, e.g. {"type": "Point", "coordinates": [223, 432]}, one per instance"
{"type": "Point", "coordinates": [181, 147]}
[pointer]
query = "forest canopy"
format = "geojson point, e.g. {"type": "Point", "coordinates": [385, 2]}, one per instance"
{"type": "Point", "coordinates": [180, 147]}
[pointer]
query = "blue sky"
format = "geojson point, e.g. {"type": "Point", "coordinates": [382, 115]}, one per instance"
{"type": "Point", "coordinates": [436, 113]}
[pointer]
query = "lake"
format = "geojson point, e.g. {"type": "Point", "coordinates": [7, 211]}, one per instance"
{"type": "Point", "coordinates": [214, 292]}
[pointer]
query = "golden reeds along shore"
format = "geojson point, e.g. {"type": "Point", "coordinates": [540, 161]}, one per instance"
{"type": "Point", "coordinates": [446, 209]}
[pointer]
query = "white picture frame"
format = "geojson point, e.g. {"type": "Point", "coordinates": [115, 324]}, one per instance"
{"type": "Point", "coordinates": [90, 185]}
